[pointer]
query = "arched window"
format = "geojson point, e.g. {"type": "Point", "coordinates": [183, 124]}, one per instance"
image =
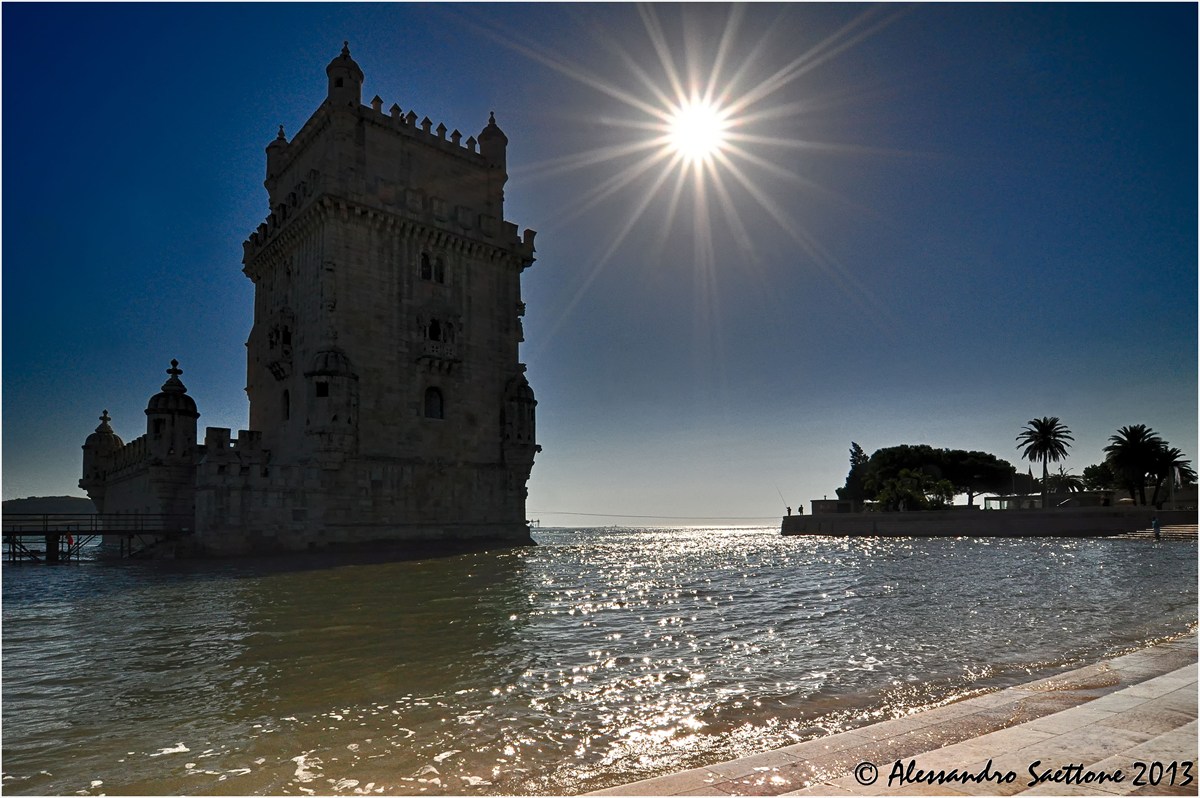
{"type": "Point", "coordinates": [439, 270]}
{"type": "Point", "coordinates": [426, 267]}
{"type": "Point", "coordinates": [434, 405]}
{"type": "Point", "coordinates": [435, 330]}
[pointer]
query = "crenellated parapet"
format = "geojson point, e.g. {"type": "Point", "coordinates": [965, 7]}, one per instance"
{"type": "Point", "coordinates": [130, 457]}
{"type": "Point", "coordinates": [237, 462]}
{"type": "Point", "coordinates": [434, 175]}
{"type": "Point", "coordinates": [221, 447]}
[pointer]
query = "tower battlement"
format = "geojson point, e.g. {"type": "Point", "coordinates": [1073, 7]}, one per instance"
{"type": "Point", "coordinates": [391, 163]}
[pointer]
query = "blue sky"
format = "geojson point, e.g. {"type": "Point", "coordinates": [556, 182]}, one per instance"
{"type": "Point", "coordinates": [937, 222]}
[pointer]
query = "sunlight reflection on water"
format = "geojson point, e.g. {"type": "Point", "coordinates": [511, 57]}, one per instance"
{"type": "Point", "coordinates": [598, 657]}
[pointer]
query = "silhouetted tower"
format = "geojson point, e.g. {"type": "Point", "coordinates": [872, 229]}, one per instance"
{"type": "Point", "coordinates": [387, 321]}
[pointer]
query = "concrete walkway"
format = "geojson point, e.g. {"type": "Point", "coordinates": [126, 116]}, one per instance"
{"type": "Point", "coordinates": [1102, 718]}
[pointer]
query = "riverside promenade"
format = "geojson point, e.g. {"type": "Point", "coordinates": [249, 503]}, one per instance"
{"type": "Point", "coordinates": [1080, 727]}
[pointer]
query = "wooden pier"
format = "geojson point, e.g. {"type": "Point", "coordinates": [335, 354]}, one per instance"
{"type": "Point", "coordinates": [61, 537]}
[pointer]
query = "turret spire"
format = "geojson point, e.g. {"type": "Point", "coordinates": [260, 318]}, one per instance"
{"type": "Point", "coordinates": [174, 384]}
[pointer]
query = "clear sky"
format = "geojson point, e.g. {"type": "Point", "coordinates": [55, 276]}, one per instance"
{"type": "Point", "coordinates": [926, 224]}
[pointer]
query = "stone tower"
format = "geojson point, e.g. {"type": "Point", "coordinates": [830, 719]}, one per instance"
{"type": "Point", "coordinates": [383, 373]}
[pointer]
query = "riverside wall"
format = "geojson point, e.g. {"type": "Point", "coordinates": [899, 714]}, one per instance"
{"type": "Point", "coordinates": [1063, 522]}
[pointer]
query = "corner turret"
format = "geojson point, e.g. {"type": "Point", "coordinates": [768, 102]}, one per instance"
{"type": "Point", "coordinates": [276, 152]}
{"type": "Point", "coordinates": [98, 451]}
{"type": "Point", "coordinates": [171, 418]}
{"type": "Point", "coordinates": [493, 144]}
{"type": "Point", "coordinates": [345, 80]}
{"type": "Point", "coordinates": [332, 402]}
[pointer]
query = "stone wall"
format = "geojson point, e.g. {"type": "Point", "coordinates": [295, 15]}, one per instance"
{"type": "Point", "coordinates": [1074, 522]}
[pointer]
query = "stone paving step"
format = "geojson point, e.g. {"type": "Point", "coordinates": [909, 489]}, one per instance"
{"type": "Point", "coordinates": [1106, 714]}
{"type": "Point", "coordinates": [1171, 532]}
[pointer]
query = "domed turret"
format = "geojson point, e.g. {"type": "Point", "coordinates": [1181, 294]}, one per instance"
{"type": "Point", "coordinates": [345, 80]}
{"type": "Point", "coordinates": [171, 418]}
{"type": "Point", "coordinates": [493, 144]}
{"type": "Point", "coordinates": [98, 451]}
{"type": "Point", "coordinates": [276, 151]}
{"type": "Point", "coordinates": [103, 440]}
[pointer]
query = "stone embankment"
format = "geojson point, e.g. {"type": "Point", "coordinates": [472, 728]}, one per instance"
{"type": "Point", "coordinates": [1065, 522]}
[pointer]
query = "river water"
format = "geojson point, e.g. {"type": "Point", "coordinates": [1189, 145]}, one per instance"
{"type": "Point", "coordinates": [595, 658]}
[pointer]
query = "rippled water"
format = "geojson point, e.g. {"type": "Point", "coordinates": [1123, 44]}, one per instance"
{"type": "Point", "coordinates": [598, 657]}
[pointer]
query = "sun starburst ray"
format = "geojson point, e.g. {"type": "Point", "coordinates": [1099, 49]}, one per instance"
{"type": "Point", "coordinates": [802, 182]}
{"type": "Point", "coordinates": [672, 208]}
{"type": "Point", "coordinates": [539, 53]}
{"type": "Point", "coordinates": [728, 36]}
{"type": "Point", "coordinates": [772, 167]}
{"type": "Point", "coordinates": [598, 264]}
{"type": "Point", "coordinates": [830, 47]}
{"type": "Point", "coordinates": [647, 80]}
{"type": "Point", "coordinates": [659, 41]}
{"type": "Point", "coordinates": [733, 218]}
{"type": "Point", "coordinates": [599, 156]}
{"type": "Point", "coordinates": [611, 185]}
{"type": "Point", "coordinates": [875, 309]}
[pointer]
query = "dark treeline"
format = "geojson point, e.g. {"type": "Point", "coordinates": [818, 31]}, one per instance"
{"type": "Point", "coordinates": [919, 477]}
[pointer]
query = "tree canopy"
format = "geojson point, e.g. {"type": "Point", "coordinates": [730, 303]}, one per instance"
{"type": "Point", "coordinates": [1138, 457]}
{"type": "Point", "coordinates": [918, 477]}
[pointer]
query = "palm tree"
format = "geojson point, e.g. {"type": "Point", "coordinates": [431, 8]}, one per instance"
{"type": "Point", "coordinates": [1169, 461]}
{"type": "Point", "coordinates": [1065, 482]}
{"type": "Point", "coordinates": [1044, 439]}
{"type": "Point", "coordinates": [1131, 453]}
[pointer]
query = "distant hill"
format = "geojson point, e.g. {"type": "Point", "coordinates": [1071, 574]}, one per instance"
{"type": "Point", "coordinates": [50, 504]}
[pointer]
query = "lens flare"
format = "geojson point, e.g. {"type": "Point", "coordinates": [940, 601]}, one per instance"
{"type": "Point", "coordinates": [709, 110]}
{"type": "Point", "coordinates": [697, 130]}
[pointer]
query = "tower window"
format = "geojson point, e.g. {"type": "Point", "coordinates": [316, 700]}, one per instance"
{"type": "Point", "coordinates": [322, 389]}
{"type": "Point", "coordinates": [337, 82]}
{"type": "Point", "coordinates": [435, 330]}
{"type": "Point", "coordinates": [426, 267]}
{"type": "Point", "coordinates": [434, 404]}
{"type": "Point", "coordinates": [439, 270]}
{"type": "Point", "coordinates": [158, 427]}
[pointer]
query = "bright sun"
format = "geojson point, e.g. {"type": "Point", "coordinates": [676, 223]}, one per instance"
{"type": "Point", "coordinates": [696, 130]}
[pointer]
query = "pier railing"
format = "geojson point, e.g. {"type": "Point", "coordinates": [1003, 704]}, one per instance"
{"type": "Point", "coordinates": [56, 537]}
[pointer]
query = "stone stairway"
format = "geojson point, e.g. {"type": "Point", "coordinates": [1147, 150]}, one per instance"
{"type": "Point", "coordinates": [1171, 532]}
